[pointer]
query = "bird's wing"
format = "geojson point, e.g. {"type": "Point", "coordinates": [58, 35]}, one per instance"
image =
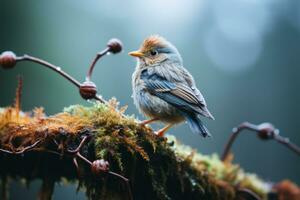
{"type": "Point", "coordinates": [177, 94]}
{"type": "Point", "coordinates": [191, 83]}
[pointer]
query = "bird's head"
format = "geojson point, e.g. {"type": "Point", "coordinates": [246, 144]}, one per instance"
{"type": "Point", "coordinates": [155, 50]}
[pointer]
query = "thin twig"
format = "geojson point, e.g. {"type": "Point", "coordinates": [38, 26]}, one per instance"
{"type": "Point", "coordinates": [82, 142]}
{"type": "Point", "coordinates": [50, 66]}
{"type": "Point", "coordinates": [83, 158]}
{"type": "Point", "coordinates": [265, 131]}
{"type": "Point", "coordinates": [58, 70]}
{"type": "Point", "coordinates": [126, 180]}
{"type": "Point", "coordinates": [23, 150]}
{"type": "Point", "coordinates": [287, 143]}
{"type": "Point", "coordinates": [92, 66]}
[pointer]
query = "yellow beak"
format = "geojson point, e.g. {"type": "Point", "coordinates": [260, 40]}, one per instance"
{"type": "Point", "coordinates": [136, 54]}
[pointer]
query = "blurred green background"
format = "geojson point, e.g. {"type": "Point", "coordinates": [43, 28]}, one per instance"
{"type": "Point", "coordinates": [244, 55]}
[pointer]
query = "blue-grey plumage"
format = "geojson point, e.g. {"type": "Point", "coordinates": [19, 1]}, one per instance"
{"type": "Point", "coordinates": [164, 90]}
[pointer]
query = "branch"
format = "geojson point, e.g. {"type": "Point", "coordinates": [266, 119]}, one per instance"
{"type": "Point", "coordinates": [113, 157]}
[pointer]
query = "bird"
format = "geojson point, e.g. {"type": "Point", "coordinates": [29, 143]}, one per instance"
{"type": "Point", "coordinates": [163, 90]}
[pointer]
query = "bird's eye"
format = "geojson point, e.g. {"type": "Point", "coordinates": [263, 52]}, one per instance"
{"type": "Point", "coordinates": [153, 52]}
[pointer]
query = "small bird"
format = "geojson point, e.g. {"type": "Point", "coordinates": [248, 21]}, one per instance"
{"type": "Point", "coordinates": [164, 90]}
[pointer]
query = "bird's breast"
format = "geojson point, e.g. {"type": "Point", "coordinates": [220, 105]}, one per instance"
{"type": "Point", "coordinates": [151, 105]}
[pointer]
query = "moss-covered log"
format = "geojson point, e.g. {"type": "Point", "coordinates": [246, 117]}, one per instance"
{"type": "Point", "coordinates": [34, 146]}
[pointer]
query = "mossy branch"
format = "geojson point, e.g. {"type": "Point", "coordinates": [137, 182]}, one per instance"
{"type": "Point", "coordinates": [84, 144]}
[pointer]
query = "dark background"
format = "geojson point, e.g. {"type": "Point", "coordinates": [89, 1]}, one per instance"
{"type": "Point", "coordinates": [244, 56]}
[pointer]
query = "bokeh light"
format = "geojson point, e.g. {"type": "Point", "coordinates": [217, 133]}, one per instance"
{"type": "Point", "coordinates": [231, 55]}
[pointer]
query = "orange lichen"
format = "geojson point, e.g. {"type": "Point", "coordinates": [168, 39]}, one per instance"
{"type": "Point", "coordinates": [18, 129]}
{"type": "Point", "coordinates": [11, 116]}
{"type": "Point", "coordinates": [134, 147]}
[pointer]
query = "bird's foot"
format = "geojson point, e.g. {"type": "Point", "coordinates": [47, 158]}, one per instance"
{"type": "Point", "coordinates": [162, 131]}
{"type": "Point", "coordinates": [145, 122]}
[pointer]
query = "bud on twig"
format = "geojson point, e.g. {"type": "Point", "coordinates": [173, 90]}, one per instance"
{"type": "Point", "coordinates": [88, 90]}
{"type": "Point", "coordinates": [114, 45]}
{"type": "Point", "coordinates": [100, 167]}
{"type": "Point", "coordinates": [8, 59]}
{"type": "Point", "coordinates": [266, 131]}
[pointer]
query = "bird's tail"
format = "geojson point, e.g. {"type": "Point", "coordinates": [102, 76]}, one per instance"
{"type": "Point", "coordinates": [197, 126]}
